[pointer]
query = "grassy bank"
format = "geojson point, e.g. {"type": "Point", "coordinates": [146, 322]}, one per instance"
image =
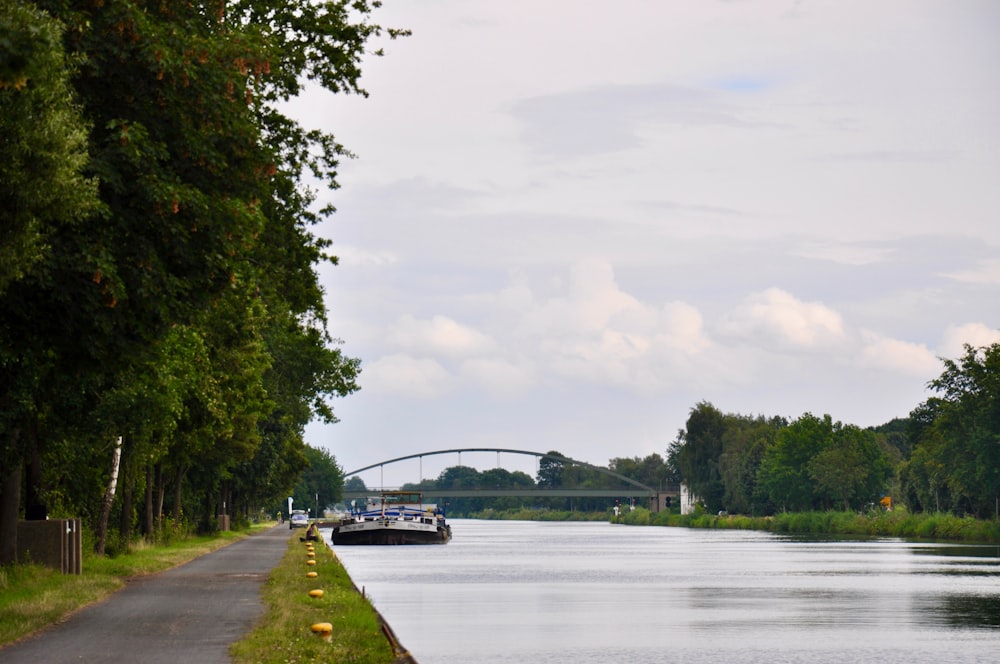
{"type": "Point", "coordinates": [898, 523]}
{"type": "Point", "coordinates": [33, 596]}
{"type": "Point", "coordinates": [284, 634]}
{"type": "Point", "coordinates": [523, 514]}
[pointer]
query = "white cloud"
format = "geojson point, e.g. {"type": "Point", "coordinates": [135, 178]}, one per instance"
{"type": "Point", "coordinates": [410, 377]}
{"type": "Point", "coordinates": [498, 376]}
{"type": "Point", "coordinates": [591, 330]}
{"type": "Point", "coordinates": [974, 334]}
{"type": "Point", "coordinates": [438, 335]}
{"type": "Point", "coordinates": [904, 357]}
{"type": "Point", "coordinates": [847, 254]}
{"type": "Point", "coordinates": [984, 272]}
{"type": "Point", "coordinates": [352, 255]}
{"type": "Point", "coordinates": [777, 319]}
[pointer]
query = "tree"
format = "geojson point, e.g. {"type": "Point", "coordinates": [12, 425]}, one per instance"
{"type": "Point", "coordinates": [784, 470]}
{"type": "Point", "coordinates": [322, 483]}
{"type": "Point", "coordinates": [651, 470]}
{"type": "Point", "coordinates": [355, 483]}
{"type": "Point", "coordinates": [43, 151]}
{"type": "Point", "coordinates": [697, 458]}
{"type": "Point", "coordinates": [853, 469]}
{"type": "Point", "coordinates": [957, 436]}
{"type": "Point", "coordinates": [42, 188]}
{"type": "Point", "coordinates": [551, 469]}
{"type": "Point", "coordinates": [745, 441]}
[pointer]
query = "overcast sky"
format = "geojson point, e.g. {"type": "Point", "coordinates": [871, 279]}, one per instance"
{"type": "Point", "coordinates": [568, 222]}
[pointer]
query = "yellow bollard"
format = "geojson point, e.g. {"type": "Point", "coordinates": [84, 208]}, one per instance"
{"type": "Point", "coordinates": [310, 562]}
{"type": "Point", "coordinates": [311, 575]}
{"type": "Point", "coordinates": [317, 593]}
{"type": "Point", "coordinates": [323, 630]}
{"type": "Point", "coordinates": [311, 554]}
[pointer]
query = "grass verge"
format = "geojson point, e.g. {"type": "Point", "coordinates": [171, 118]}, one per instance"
{"type": "Point", "coordinates": [898, 523]}
{"type": "Point", "coordinates": [33, 596]}
{"type": "Point", "coordinates": [528, 514]}
{"type": "Point", "coordinates": [284, 635]}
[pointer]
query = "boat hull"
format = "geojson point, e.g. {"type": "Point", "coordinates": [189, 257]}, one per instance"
{"type": "Point", "coordinates": [389, 532]}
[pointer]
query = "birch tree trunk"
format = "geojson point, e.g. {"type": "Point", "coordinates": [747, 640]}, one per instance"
{"type": "Point", "coordinates": [109, 498]}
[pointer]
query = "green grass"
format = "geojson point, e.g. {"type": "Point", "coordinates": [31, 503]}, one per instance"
{"type": "Point", "coordinates": [898, 523]}
{"type": "Point", "coordinates": [284, 636]}
{"type": "Point", "coordinates": [527, 514]}
{"type": "Point", "coordinates": [33, 596]}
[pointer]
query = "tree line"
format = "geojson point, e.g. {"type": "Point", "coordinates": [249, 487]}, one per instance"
{"type": "Point", "coordinates": [161, 318]}
{"type": "Point", "coordinates": [944, 457]}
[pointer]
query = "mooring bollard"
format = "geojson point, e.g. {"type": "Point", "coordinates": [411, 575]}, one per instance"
{"type": "Point", "coordinates": [323, 630]}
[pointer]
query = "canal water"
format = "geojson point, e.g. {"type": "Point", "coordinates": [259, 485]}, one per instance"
{"type": "Point", "coordinates": [528, 592]}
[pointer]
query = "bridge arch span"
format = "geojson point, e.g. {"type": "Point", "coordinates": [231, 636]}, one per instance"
{"type": "Point", "coordinates": [541, 455]}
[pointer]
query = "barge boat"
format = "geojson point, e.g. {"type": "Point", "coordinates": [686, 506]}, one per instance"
{"type": "Point", "coordinates": [398, 517]}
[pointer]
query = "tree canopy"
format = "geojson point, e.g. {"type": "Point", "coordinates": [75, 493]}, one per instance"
{"type": "Point", "coordinates": [158, 267]}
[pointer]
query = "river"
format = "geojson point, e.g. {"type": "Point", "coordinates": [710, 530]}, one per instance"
{"type": "Point", "coordinates": [545, 593]}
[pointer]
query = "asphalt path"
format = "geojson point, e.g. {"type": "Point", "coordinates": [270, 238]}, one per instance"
{"type": "Point", "coordinates": [191, 613]}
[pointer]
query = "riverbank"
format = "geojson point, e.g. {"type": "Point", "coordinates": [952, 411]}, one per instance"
{"type": "Point", "coordinates": [524, 514]}
{"type": "Point", "coordinates": [284, 634]}
{"type": "Point", "coordinates": [897, 523]}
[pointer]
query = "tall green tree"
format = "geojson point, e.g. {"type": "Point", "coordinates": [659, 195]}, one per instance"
{"type": "Point", "coordinates": [43, 189]}
{"type": "Point", "coordinates": [956, 459]}
{"type": "Point", "coordinates": [322, 483]}
{"type": "Point", "coordinates": [784, 470]}
{"type": "Point", "coordinates": [697, 456]}
{"type": "Point", "coordinates": [43, 139]}
{"type": "Point", "coordinates": [853, 470]}
{"type": "Point", "coordinates": [744, 443]}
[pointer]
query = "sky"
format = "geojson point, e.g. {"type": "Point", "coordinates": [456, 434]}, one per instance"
{"type": "Point", "coordinates": [568, 222]}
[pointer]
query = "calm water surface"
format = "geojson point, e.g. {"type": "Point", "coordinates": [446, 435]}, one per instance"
{"type": "Point", "coordinates": [526, 592]}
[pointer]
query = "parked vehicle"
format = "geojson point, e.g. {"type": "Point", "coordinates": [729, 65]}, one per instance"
{"type": "Point", "coordinates": [298, 520]}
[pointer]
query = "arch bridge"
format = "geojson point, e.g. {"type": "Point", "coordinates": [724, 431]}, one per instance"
{"type": "Point", "coordinates": [657, 498]}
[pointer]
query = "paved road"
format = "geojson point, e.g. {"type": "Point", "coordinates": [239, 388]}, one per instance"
{"type": "Point", "coordinates": [189, 614]}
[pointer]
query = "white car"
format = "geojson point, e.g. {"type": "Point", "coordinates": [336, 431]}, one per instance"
{"type": "Point", "coordinates": [298, 521]}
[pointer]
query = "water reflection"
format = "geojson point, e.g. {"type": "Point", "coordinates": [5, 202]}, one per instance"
{"type": "Point", "coordinates": [981, 611]}
{"type": "Point", "coordinates": [528, 592]}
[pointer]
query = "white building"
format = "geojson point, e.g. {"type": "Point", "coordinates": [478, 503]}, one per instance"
{"type": "Point", "coordinates": [688, 499]}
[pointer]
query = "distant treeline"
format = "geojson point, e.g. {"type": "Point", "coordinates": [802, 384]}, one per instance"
{"type": "Point", "coordinates": [944, 457]}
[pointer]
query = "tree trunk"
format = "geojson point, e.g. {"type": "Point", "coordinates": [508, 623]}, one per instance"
{"type": "Point", "coordinates": [109, 497]}
{"type": "Point", "coordinates": [10, 505]}
{"type": "Point", "coordinates": [128, 500]}
{"type": "Point", "coordinates": [34, 508]}
{"type": "Point", "coordinates": [178, 479]}
{"type": "Point", "coordinates": [147, 522]}
{"type": "Point", "coordinates": [160, 494]}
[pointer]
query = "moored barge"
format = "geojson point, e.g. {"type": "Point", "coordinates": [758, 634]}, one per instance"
{"type": "Point", "coordinates": [398, 517]}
